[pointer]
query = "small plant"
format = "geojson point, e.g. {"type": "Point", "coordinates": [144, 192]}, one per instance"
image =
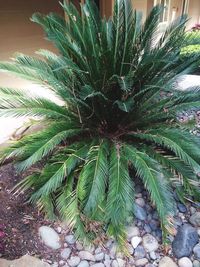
{"type": "Point", "coordinates": [192, 38]}
{"type": "Point", "coordinates": [118, 119]}
{"type": "Point", "coordinates": [190, 49]}
{"type": "Point", "coordinates": [196, 27]}
{"type": "Point", "coordinates": [191, 46]}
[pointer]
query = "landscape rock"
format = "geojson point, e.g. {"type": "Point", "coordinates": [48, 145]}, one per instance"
{"type": "Point", "coordinates": [74, 261]}
{"type": "Point", "coordinates": [150, 243]}
{"type": "Point", "coordinates": [121, 262]}
{"type": "Point", "coordinates": [99, 256]}
{"type": "Point", "coordinates": [65, 253]}
{"type": "Point", "coordinates": [83, 264]}
{"type": "Point", "coordinates": [135, 241]}
{"type": "Point", "coordinates": [130, 248]}
{"type": "Point", "coordinates": [196, 263]}
{"type": "Point", "coordinates": [181, 207]}
{"type": "Point", "coordinates": [25, 261]}
{"type": "Point", "coordinates": [59, 229]}
{"type": "Point", "coordinates": [140, 201]}
{"type": "Point", "coordinates": [192, 210]}
{"type": "Point", "coordinates": [147, 228]}
{"type": "Point", "coordinates": [113, 250]}
{"type": "Point", "coordinates": [97, 265]}
{"type": "Point", "coordinates": [167, 262]}
{"type": "Point", "coordinates": [62, 263]}
{"type": "Point", "coordinates": [107, 263]}
{"type": "Point", "coordinates": [140, 213]}
{"type": "Point", "coordinates": [98, 250]}
{"type": "Point", "coordinates": [196, 251]}
{"type": "Point", "coordinates": [49, 237]}
{"type": "Point", "coordinates": [90, 248]}
{"type": "Point", "coordinates": [70, 239]}
{"type": "Point", "coordinates": [114, 264]}
{"type": "Point", "coordinates": [185, 262]}
{"type": "Point", "coordinates": [184, 241]}
{"type": "Point", "coordinates": [153, 255]}
{"type": "Point", "coordinates": [154, 225]}
{"type": "Point", "coordinates": [139, 252]}
{"type": "Point", "coordinates": [86, 255]}
{"type": "Point", "coordinates": [79, 246]}
{"type": "Point", "coordinates": [107, 257]}
{"type": "Point", "coordinates": [195, 219]}
{"type": "Point", "coordinates": [132, 231]}
{"type": "Point", "coordinates": [141, 262]}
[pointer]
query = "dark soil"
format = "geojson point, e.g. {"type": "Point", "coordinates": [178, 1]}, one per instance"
{"type": "Point", "coordinates": [18, 220]}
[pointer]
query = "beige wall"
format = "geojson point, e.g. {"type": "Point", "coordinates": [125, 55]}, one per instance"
{"type": "Point", "coordinates": [150, 4]}
{"type": "Point", "coordinates": [18, 33]}
{"type": "Point", "coordinates": [141, 5]}
{"type": "Point", "coordinates": [176, 5]}
{"type": "Point", "coordinates": [194, 12]}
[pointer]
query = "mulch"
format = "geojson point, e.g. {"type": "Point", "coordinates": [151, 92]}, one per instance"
{"type": "Point", "coordinates": [19, 221]}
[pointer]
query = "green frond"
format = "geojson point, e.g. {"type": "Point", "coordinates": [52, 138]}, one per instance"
{"type": "Point", "coordinates": [45, 149]}
{"type": "Point", "coordinates": [120, 192]}
{"type": "Point", "coordinates": [96, 170]}
{"type": "Point", "coordinates": [167, 139]}
{"type": "Point", "coordinates": [154, 178]}
{"type": "Point", "coordinates": [66, 167]}
{"type": "Point", "coordinates": [68, 206]}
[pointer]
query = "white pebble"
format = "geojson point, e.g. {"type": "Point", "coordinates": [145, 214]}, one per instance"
{"type": "Point", "coordinates": [79, 246]}
{"type": "Point", "coordinates": [121, 263]}
{"type": "Point", "coordinates": [150, 243]}
{"type": "Point", "coordinates": [115, 263]}
{"type": "Point", "coordinates": [74, 261]}
{"type": "Point", "coordinates": [185, 262]}
{"type": "Point", "coordinates": [61, 263]}
{"type": "Point", "coordinates": [153, 255]}
{"type": "Point", "coordinates": [59, 229]}
{"type": "Point", "coordinates": [50, 237]}
{"type": "Point", "coordinates": [98, 265]}
{"type": "Point", "coordinates": [141, 262]}
{"type": "Point", "coordinates": [83, 264]}
{"type": "Point", "coordinates": [70, 239]}
{"type": "Point", "coordinates": [99, 256]}
{"type": "Point", "coordinates": [132, 231]}
{"type": "Point", "coordinates": [86, 255]}
{"type": "Point", "coordinates": [140, 202]}
{"type": "Point", "coordinates": [107, 263]}
{"type": "Point", "coordinates": [135, 241]}
{"type": "Point", "coordinates": [65, 253]}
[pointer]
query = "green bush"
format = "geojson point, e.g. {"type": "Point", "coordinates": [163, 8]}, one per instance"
{"type": "Point", "coordinates": [192, 38]}
{"type": "Point", "coordinates": [191, 45]}
{"type": "Point", "coordinates": [190, 50]}
{"type": "Point", "coordinates": [118, 120]}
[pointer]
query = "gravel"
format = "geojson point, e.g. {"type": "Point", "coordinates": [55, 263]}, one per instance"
{"type": "Point", "coordinates": [143, 241]}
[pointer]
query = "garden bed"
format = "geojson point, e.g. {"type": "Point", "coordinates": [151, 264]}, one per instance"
{"type": "Point", "coordinates": [18, 220]}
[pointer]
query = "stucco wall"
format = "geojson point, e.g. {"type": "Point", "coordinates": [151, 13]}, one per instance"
{"type": "Point", "coordinates": [176, 5]}
{"type": "Point", "coordinates": [18, 33]}
{"type": "Point", "coordinates": [141, 5]}
{"type": "Point", "coordinates": [194, 12]}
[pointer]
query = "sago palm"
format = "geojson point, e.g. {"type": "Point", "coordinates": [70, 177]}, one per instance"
{"type": "Point", "coordinates": [116, 79]}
